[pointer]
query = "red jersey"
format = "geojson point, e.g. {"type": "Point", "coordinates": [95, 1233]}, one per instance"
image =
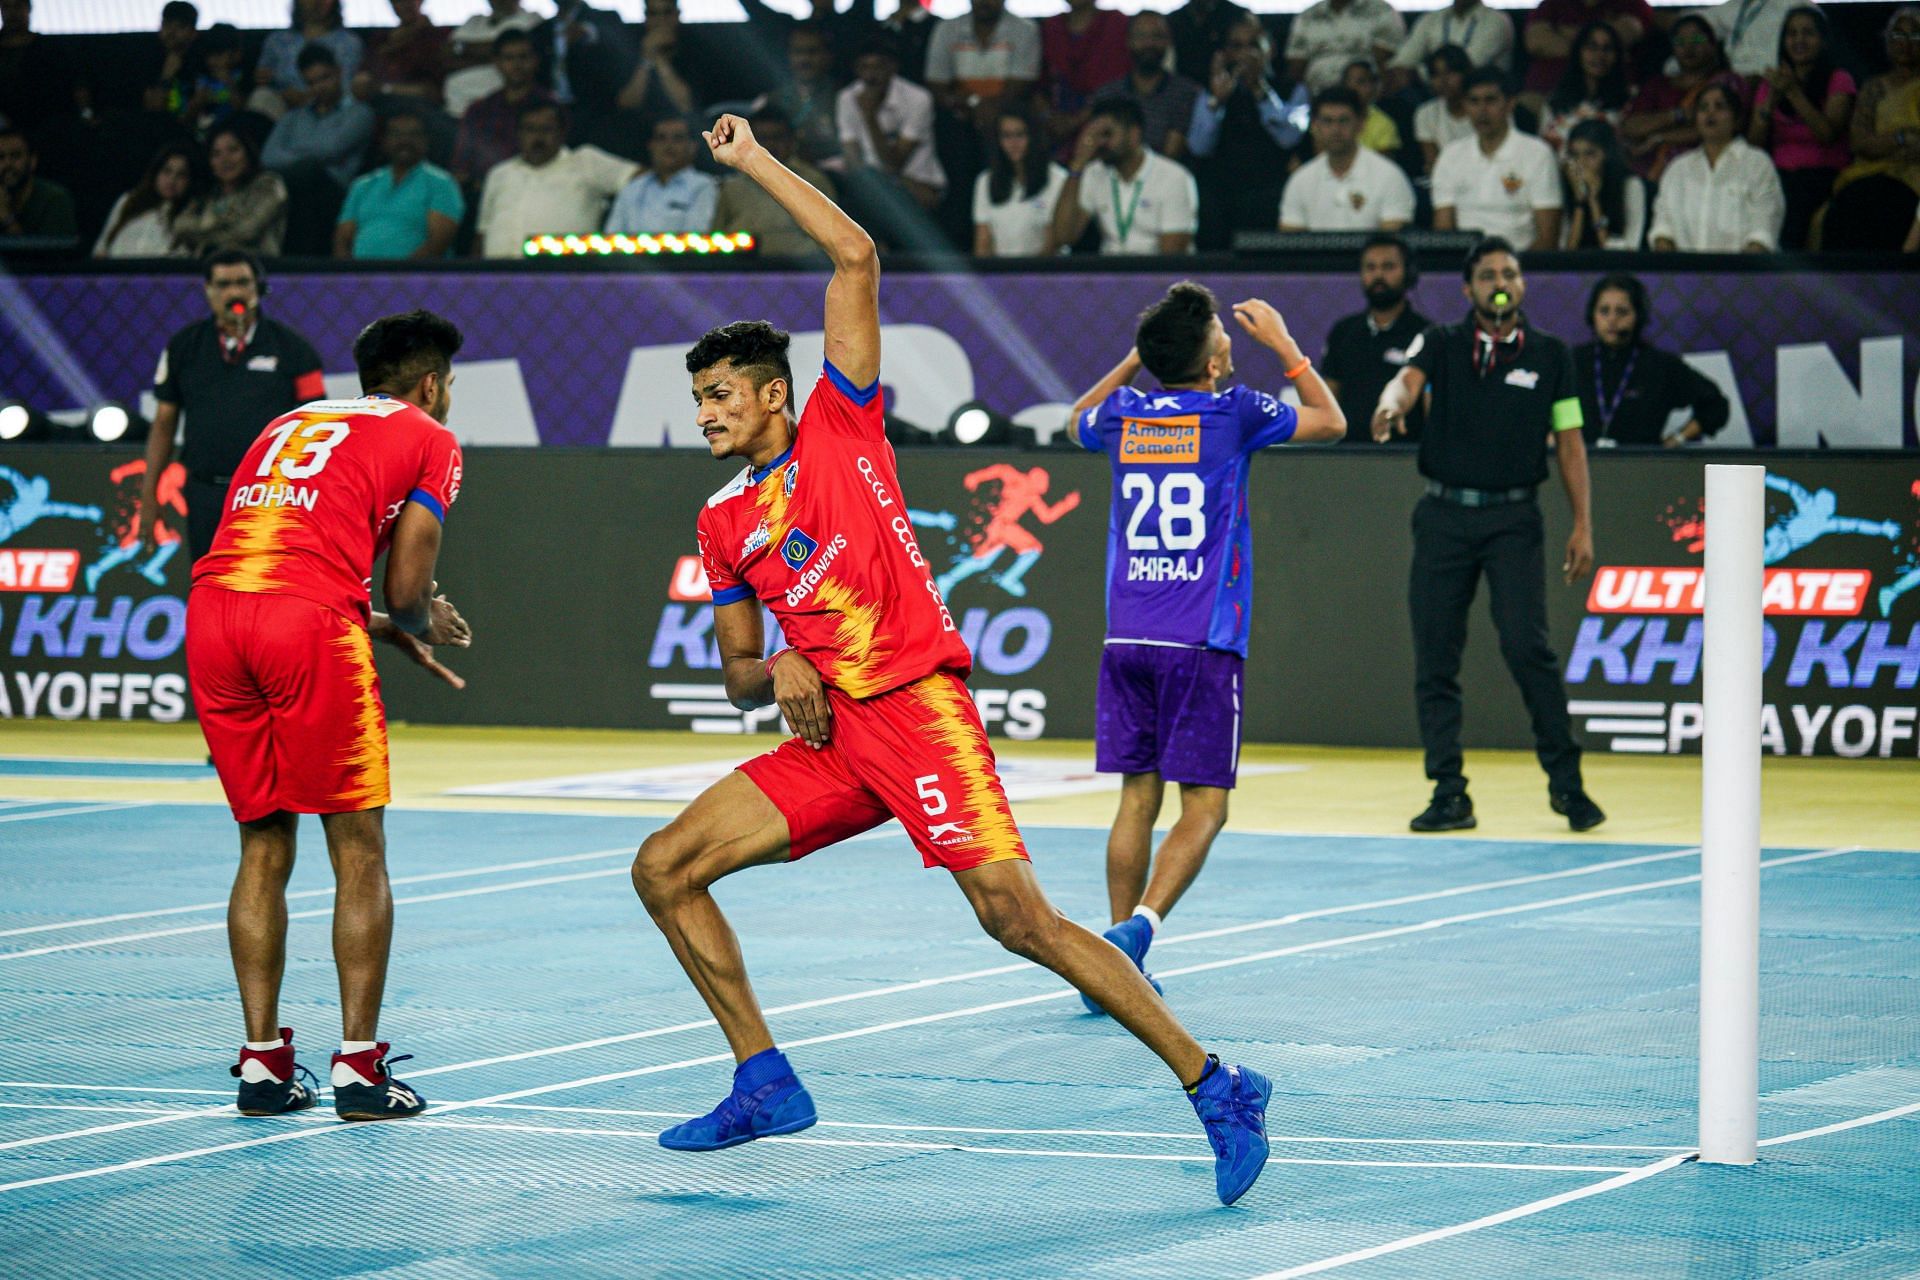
{"type": "Point", "coordinates": [313, 503]}
{"type": "Point", "coordinates": [821, 536]}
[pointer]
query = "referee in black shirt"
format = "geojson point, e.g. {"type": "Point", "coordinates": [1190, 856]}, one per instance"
{"type": "Point", "coordinates": [229, 375]}
{"type": "Point", "coordinates": [1499, 388]}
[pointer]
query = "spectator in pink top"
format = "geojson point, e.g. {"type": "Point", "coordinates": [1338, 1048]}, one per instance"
{"type": "Point", "coordinates": [1802, 111]}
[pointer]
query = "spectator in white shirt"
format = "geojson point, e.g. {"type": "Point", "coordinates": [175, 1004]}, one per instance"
{"type": "Point", "coordinates": [1725, 196]}
{"type": "Point", "coordinates": [886, 140]}
{"type": "Point", "coordinates": [981, 61]}
{"type": "Point", "coordinates": [1144, 203]}
{"type": "Point", "coordinates": [548, 189]}
{"type": "Point", "coordinates": [1486, 34]}
{"type": "Point", "coordinates": [1443, 117]}
{"type": "Point", "coordinates": [141, 223]}
{"type": "Point", "coordinates": [1606, 199]}
{"type": "Point", "coordinates": [1013, 198]}
{"type": "Point", "coordinates": [1499, 182]}
{"type": "Point", "coordinates": [471, 53]}
{"type": "Point", "coordinates": [1332, 33]}
{"type": "Point", "coordinates": [1346, 187]}
{"type": "Point", "coordinates": [1750, 32]}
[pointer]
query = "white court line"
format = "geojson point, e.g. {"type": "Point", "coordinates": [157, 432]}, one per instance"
{"type": "Point", "coordinates": [109, 1088]}
{"type": "Point", "coordinates": [67, 813]}
{"type": "Point", "coordinates": [1890, 1113]}
{"type": "Point", "coordinates": [1491, 1220]}
{"type": "Point", "coordinates": [1020, 966]}
{"type": "Point", "coordinates": [1593, 895]}
{"type": "Point", "coordinates": [221, 905]}
{"type": "Point", "coordinates": [308, 915]}
{"type": "Point", "coordinates": [1553, 1202]}
{"type": "Point", "coordinates": [168, 1117]}
{"type": "Point", "coordinates": [1204, 1158]}
{"type": "Point", "coordinates": [1298, 1140]}
{"type": "Point", "coordinates": [1290, 1139]}
{"type": "Point", "coordinates": [515, 1095]}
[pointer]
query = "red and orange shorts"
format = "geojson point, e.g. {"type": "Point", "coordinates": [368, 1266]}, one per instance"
{"type": "Point", "coordinates": [289, 702]}
{"type": "Point", "coordinates": [918, 753]}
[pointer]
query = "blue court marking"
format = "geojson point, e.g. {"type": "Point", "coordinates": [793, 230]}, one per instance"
{"type": "Point", "coordinates": [1440, 1052]}
{"type": "Point", "coordinates": [93, 769]}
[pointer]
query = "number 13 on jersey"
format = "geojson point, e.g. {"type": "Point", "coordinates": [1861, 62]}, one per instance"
{"type": "Point", "coordinates": [301, 448]}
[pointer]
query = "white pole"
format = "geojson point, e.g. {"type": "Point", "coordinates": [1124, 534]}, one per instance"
{"type": "Point", "coordinates": [1730, 818]}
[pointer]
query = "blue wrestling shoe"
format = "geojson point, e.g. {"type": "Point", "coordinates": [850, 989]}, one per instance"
{"type": "Point", "coordinates": [270, 1080]}
{"type": "Point", "coordinates": [1232, 1103]}
{"type": "Point", "coordinates": [767, 1099]}
{"type": "Point", "coordinates": [1133, 936]}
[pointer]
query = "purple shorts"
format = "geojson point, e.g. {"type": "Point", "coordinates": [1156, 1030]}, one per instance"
{"type": "Point", "coordinates": [1174, 712]}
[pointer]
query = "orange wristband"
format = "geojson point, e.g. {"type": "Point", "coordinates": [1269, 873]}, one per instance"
{"type": "Point", "coordinates": [775, 656]}
{"type": "Point", "coordinates": [1300, 368]}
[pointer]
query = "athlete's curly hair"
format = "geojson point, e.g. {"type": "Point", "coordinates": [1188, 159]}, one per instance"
{"type": "Point", "coordinates": [752, 347]}
{"type": "Point", "coordinates": [1172, 337]}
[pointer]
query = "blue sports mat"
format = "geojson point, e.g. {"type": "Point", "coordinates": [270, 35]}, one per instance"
{"type": "Point", "coordinates": [1455, 1028]}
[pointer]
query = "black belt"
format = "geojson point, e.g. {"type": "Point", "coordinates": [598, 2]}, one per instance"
{"type": "Point", "coordinates": [1460, 497]}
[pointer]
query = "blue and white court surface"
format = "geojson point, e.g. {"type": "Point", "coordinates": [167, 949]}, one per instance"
{"type": "Point", "coordinates": [1483, 1053]}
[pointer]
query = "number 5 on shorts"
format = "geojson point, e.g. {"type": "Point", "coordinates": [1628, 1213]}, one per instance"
{"type": "Point", "coordinates": [932, 799]}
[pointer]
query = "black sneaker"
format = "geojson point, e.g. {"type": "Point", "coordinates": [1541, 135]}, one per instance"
{"type": "Point", "coordinates": [369, 1091]}
{"type": "Point", "coordinates": [1447, 813]}
{"type": "Point", "coordinates": [270, 1081]}
{"type": "Point", "coordinates": [1581, 813]}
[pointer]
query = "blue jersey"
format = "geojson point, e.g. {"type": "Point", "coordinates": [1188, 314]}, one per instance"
{"type": "Point", "coordinates": [1179, 551]}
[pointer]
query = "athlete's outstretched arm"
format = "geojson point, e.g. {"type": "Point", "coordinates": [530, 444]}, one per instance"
{"type": "Point", "coordinates": [753, 681]}
{"type": "Point", "coordinates": [853, 295]}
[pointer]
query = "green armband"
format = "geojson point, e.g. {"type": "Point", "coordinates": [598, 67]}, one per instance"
{"type": "Point", "coordinates": [1566, 414]}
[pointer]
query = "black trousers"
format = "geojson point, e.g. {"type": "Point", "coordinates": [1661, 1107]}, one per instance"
{"type": "Point", "coordinates": [204, 501]}
{"type": "Point", "coordinates": [1452, 546]}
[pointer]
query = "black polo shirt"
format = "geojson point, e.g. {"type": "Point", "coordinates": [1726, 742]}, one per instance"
{"type": "Point", "coordinates": [1363, 360]}
{"type": "Point", "coordinates": [1488, 423]}
{"type": "Point", "coordinates": [1627, 394]}
{"type": "Point", "coordinates": [226, 403]}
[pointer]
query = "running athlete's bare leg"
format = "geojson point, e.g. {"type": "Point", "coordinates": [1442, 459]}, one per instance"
{"type": "Point", "coordinates": [1130, 843]}
{"type": "Point", "coordinates": [1203, 812]}
{"type": "Point", "coordinates": [731, 825]}
{"type": "Point", "coordinates": [257, 920]}
{"type": "Point", "coordinates": [362, 916]}
{"type": "Point", "coordinates": [1015, 911]}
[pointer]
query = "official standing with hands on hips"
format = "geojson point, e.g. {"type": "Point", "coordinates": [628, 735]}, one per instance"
{"type": "Point", "coordinates": [1499, 388]}
{"type": "Point", "coordinates": [229, 375]}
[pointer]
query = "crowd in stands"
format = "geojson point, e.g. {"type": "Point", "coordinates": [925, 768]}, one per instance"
{"type": "Point", "coordinates": [1580, 124]}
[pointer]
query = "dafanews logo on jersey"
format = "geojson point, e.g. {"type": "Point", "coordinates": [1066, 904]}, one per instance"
{"type": "Point", "coordinates": [797, 548]}
{"type": "Point", "coordinates": [796, 551]}
{"type": "Point", "coordinates": [1841, 637]}
{"type": "Point", "coordinates": [981, 558]}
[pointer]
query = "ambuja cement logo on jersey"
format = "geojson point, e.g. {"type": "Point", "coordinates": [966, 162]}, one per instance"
{"type": "Point", "coordinates": [1845, 622]}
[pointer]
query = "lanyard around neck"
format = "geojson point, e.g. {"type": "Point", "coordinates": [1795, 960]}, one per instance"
{"type": "Point", "coordinates": [1610, 405]}
{"type": "Point", "coordinates": [1123, 222]}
